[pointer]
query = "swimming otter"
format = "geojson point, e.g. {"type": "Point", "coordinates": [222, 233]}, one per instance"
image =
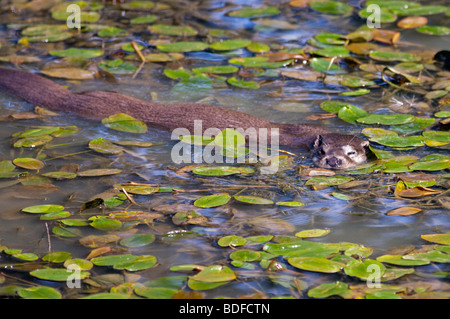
{"type": "Point", "coordinates": [330, 150]}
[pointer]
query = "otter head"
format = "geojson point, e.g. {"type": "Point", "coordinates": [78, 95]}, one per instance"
{"type": "Point", "coordinates": [337, 151]}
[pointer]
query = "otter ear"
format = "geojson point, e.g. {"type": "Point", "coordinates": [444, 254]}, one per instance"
{"type": "Point", "coordinates": [318, 141]}
{"type": "Point", "coordinates": [365, 144]}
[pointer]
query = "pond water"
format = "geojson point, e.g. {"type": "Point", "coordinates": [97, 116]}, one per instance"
{"type": "Point", "coordinates": [360, 220]}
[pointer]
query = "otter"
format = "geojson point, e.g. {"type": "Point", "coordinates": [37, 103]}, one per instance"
{"type": "Point", "coordinates": [330, 150]}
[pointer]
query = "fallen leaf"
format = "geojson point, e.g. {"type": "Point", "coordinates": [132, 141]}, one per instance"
{"type": "Point", "coordinates": [412, 22]}
{"type": "Point", "coordinates": [417, 191]}
{"type": "Point", "coordinates": [404, 211]}
{"type": "Point", "coordinates": [386, 36]}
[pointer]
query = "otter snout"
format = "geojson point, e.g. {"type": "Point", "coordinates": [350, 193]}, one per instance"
{"type": "Point", "coordinates": [333, 161]}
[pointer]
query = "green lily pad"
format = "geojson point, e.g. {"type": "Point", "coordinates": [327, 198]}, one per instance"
{"type": "Point", "coordinates": [258, 47]}
{"type": "Point", "coordinates": [212, 200]}
{"type": "Point", "coordinates": [393, 4]}
{"type": "Point", "coordinates": [301, 248]}
{"type": "Point", "coordinates": [104, 146]}
{"type": "Point", "coordinates": [315, 264]}
{"type": "Point", "coordinates": [254, 12]}
{"type": "Point", "coordinates": [43, 209]}
{"type": "Point", "coordinates": [331, 7]}
{"type": "Point", "coordinates": [47, 33]}
{"type": "Point", "coordinates": [124, 123]}
{"type": "Point", "coordinates": [40, 292]}
{"type": "Point", "coordinates": [440, 136]}
{"type": "Point", "coordinates": [221, 170]}
{"type": "Point", "coordinates": [242, 83]}
{"type": "Point", "coordinates": [259, 62]}
{"type": "Point", "coordinates": [335, 51]}
{"type": "Point", "coordinates": [183, 46]}
{"type": "Point", "coordinates": [443, 239]}
{"type": "Point", "coordinates": [330, 38]}
{"type": "Point", "coordinates": [364, 270]}
{"type": "Point", "coordinates": [231, 241]}
{"type": "Point", "coordinates": [138, 240]}
{"type": "Point", "coordinates": [399, 141]}
{"type": "Point", "coordinates": [328, 180]}
{"type": "Point", "coordinates": [172, 30]}
{"type": "Point", "coordinates": [137, 189]}
{"type": "Point", "coordinates": [399, 261]}
{"type": "Point", "coordinates": [118, 66]}
{"type": "Point", "coordinates": [245, 255]}
{"type": "Point", "coordinates": [290, 204]}
{"type": "Point", "coordinates": [431, 165]}
{"type": "Point", "coordinates": [33, 141]}
{"type": "Point", "coordinates": [419, 10]}
{"type": "Point", "coordinates": [28, 163]}
{"type": "Point", "coordinates": [104, 223]}
{"type": "Point", "coordinates": [214, 274]}
{"type": "Point", "coordinates": [144, 19]}
{"type": "Point", "coordinates": [55, 215]}
{"type": "Point", "coordinates": [56, 257]}
{"type": "Point", "coordinates": [218, 69]}
{"type": "Point", "coordinates": [330, 289]}
{"type": "Point", "coordinates": [356, 81]}
{"type": "Point", "coordinates": [140, 263]}
{"type": "Point", "coordinates": [35, 132]}
{"type": "Point", "coordinates": [99, 172]}
{"type": "Point", "coordinates": [112, 32]}
{"type": "Point", "coordinates": [113, 260]}
{"type": "Point", "coordinates": [57, 274]}
{"type": "Point", "coordinates": [432, 256]}
{"type": "Point", "coordinates": [85, 16]}
{"type": "Point", "coordinates": [386, 119]}
{"type": "Point", "coordinates": [418, 124]}
{"type": "Point", "coordinates": [138, 5]}
{"type": "Point", "coordinates": [394, 56]}
{"type": "Point", "coordinates": [324, 66]}
{"type": "Point", "coordinates": [227, 45]}
{"type": "Point", "coordinates": [253, 200]}
{"type": "Point", "coordinates": [312, 233]}
{"type": "Point", "coordinates": [155, 292]}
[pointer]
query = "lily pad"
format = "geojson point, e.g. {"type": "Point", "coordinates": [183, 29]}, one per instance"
{"type": "Point", "coordinates": [243, 84]}
{"type": "Point", "coordinates": [57, 274]}
{"type": "Point", "coordinates": [40, 292]}
{"type": "Point", "coordinates": [138, 240]}
{"type": "Point", "coordinates": [172, 30]}
{"type": "Point", "coordinates": [386, 16]}
{"type": "Point", "coordinates": [112, 32]}
{"type": "Point", "coordinates": [331, 7]}
{"type": "Point", "coordinates": [330, 289]}
{"type": "Point", "coordinates": [254, 12]}
{"type": "Point", "coordinates": [366, 269]}
{"type": "Point", "coordinates": [433, 30]}
{"type": "Point", "coordinates": [43, 209]}
{"type": "Point", "coordinates": [259, 62]}
{"type": "Point", "coordinates": [212, 200]}
{"type": "Point", "coordinates": [315, 264]}
{"type": "Point", "coordinates": [335, 51]}
{"type": "Point", "coordinates": [104, 146]}
{"type": "Point", "coordinates": [124, 123]}
{"type": "Point", "coordinates": [325, 66]}
{"type": "Point", "coordinates": [386, 119]}
{"type": "Point", "coordinates": [218, 69]}
{"type": "Point", "coordinates": [78, 53]}
{"type": "Point", "coordinates": [214, 274]}
{"type": "Point", "coordinates": [443, 239]}
{"type": "Point", "coordinates": [144, 19]}
{"type": "Point", "coordinates": [328, 180]}
{"type": "Point", "coordinates": [221, 170]}
{"type": "Point", "coordinates": [183, 46]}
{"type": "Point", "coordinates": [227, 45]}
{"type": "Point", "coordinates": [118, 66]}
{"type": "Point", "coordinates": [28, 163]}
{"type": "Point", "coordinates": [253, 200]}
{"type": "Point", "coordinates": [138, 5]}
{"type": "Point", "coordinates": [387, 56]}
{"type": "Point", "coordinates": [99, 172]}
{"type": "Point", "coordinates": [312, 233]}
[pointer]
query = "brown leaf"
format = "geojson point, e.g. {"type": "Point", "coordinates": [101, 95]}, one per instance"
{"type": "Point", "coordinates": [300, 3]}
{"type": "Point", "coordinates": [412, 22]}
{"type": "Point", "coordinates": [404, 211]}
{"type": "Point", "coordinates": [417, 191]}
{"type": "Point", "coordinates": [316, 117]}
{"type": "Point", "coordinates": [69, 73]}
{"type": "Point", "coordinates": [386, 36]}
{"type": "Point", "coordinates": [98, 252]}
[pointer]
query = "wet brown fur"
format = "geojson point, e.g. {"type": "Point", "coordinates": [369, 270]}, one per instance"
{"type": "Point", "coordinates": [97, 105]}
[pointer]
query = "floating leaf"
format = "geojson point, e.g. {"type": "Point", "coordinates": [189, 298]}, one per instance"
{"type": "Point", "coordinates": [412, 22]}
{"type": "Point", "coordinates": [315, 264]}
{"type": "Point", "coordinates": [28, 163]}
{"type": "Point", "coordinates": [245, 255]}
{"type": "Point", "coordinates": [138, 240]}
{"type": "Point", "coordinates": [443, 239]}
{"type": "Point", "coordinates": [212, 200]}
{"type": "Point", "coordinates": [399, 261]}
{"type": "Point", "coordinates": [218, 69]}
{"type": "Point", "coordinates": [99, 172]}
{"type": "Point", "coordinates": [290, 204]}
{"type": "Point", "coordinates": [118, 66]}
{"type": "Point", "coordinates": [43, 209]}
{"type": "Point", "coordinates": [259, 62]}
{"type": "Point", "coordinates": [431, 165]}
{"type": "Point", "coordinates": [138, 189]}
{"type": "Point", "coordinates": [47, 33]}
{"type": "Point", "coordinates": [57, 274]}
{"type": "Point", "coordinates": [56, 257]}
{"type": "Point", "coordinates": [60, 175]}
{"type": "Point", "coordinates": [112, 32]}
{"type": "Point", "coordinates": [104, 223]}
{"type": "Point", "coordinates": [253, 200]}
{"type": "Point", "coordinates": [325, 66]}
{"type": "Point", "coordinates": [182, 46]}
{"type": "Point", "coordinates": [385, 16]}
{"type": "Point", "coordinates": [221, 170]}
{"type": "Point", "coordinates": [386, 119]}
{"type": "Point", "coordinates": [172, 30]}
{"type": "Point", "coordinates": [231, 241]}
{"type": "Point", "coordinates": [242, 83]}
{"type": "Point", "coordinates": [330, 289]}
{"type": "Point", "coordinates": [364, 269]}
{"type": "Point", "coordinates": [104, 146]}
{"type": "Point", "coordinates": [328, 180]}
{"type": "Point", "coordinates": [399, 141]}
{"type": "Point", "coordinates": [227, 45]}
{"type": "Point", "coordinates": [331, 7]}
{"type": "Point", "coordinates": [254, 12]}
{"type": "Point", "coordinates": [78, 53]}
{"type": "Point", "coordinates": [144, 19]}
{"type": "Point", "coordinates": [394, 56]}
{"type": "Point", "coordinates": [138, 5]}
{"type": "Point", "coordinates": [404, 211]}
{"type": "Point", "coordinates": [125, 123]}
{"type": "Point", "coordinates": [214, 274]}
{"type": "Point", "coordinates": [419, 10]}
{"type": "Point", "coordinates": [335, 51]}
{"type": "Point", "coordinates": [40, 292]}
{"type": "Point", "coordinates": [155, 292]}
{"type": "Point", "coordinates": [312, 233]}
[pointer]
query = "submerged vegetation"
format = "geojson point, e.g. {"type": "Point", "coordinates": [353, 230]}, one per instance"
{"type": "Point", "coordinates": [134, 225]}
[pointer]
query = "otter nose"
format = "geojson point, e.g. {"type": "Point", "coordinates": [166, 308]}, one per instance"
{"type": "Point", "coordinates": [334, 161]}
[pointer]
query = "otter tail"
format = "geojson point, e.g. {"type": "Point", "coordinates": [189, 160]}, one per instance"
{"type": "Point", "coordinates": [34, 89]}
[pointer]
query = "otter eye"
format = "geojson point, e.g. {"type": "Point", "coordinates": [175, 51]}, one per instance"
{"type": "Point", "coordinates": [321, 152]}
{"type": "Point", "coordinates": [351, 153]}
